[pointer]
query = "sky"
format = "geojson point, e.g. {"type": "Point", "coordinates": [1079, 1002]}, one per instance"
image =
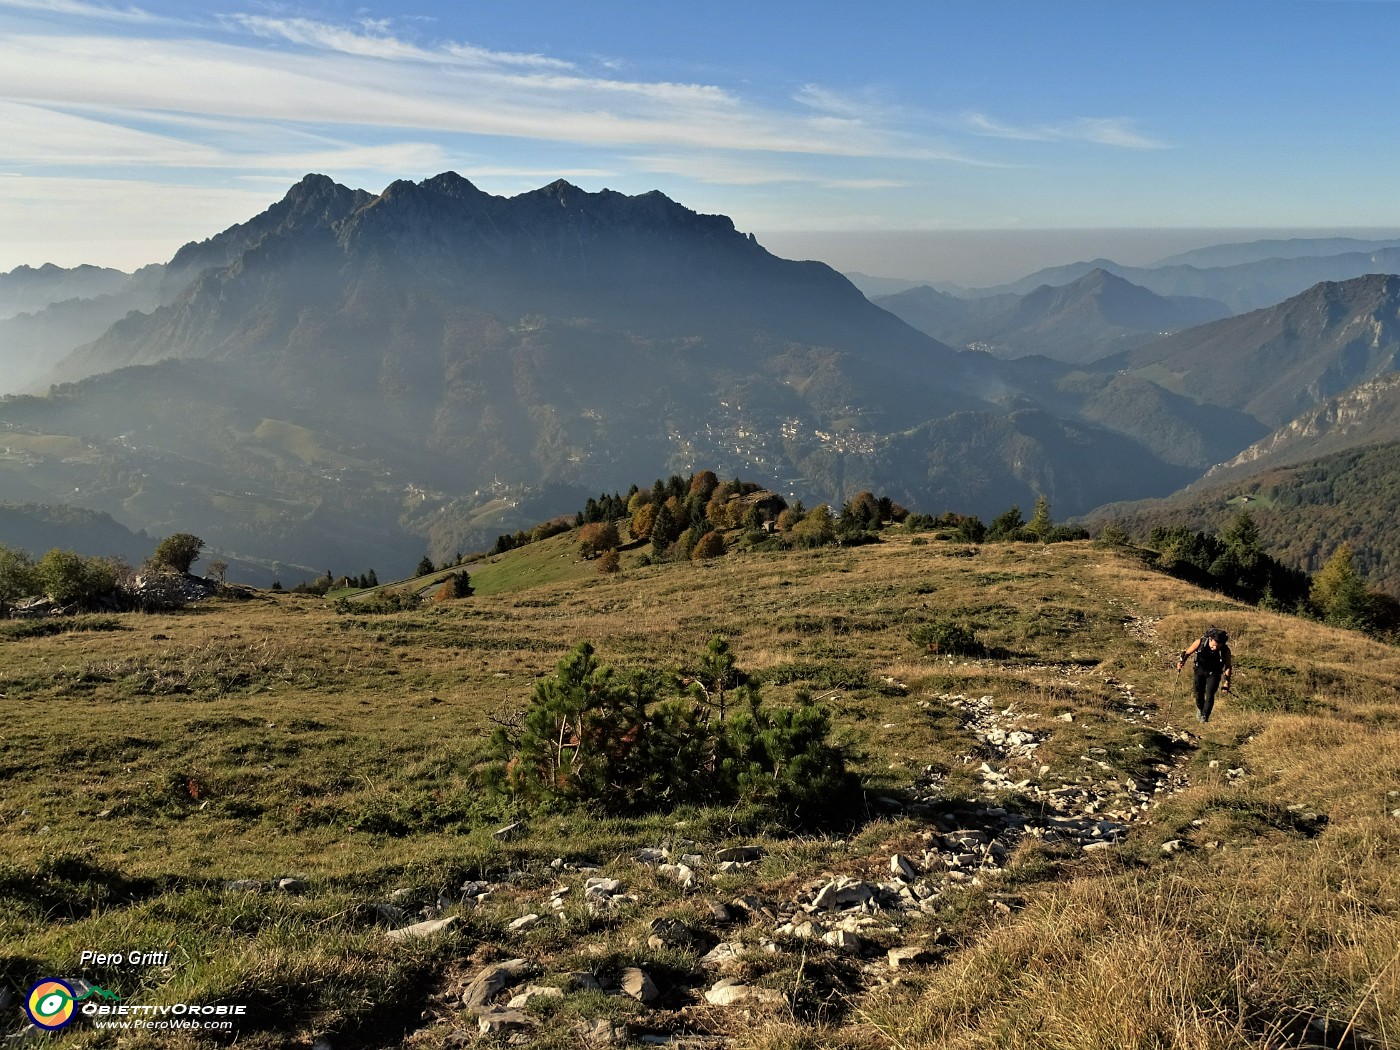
{"type": "Point", "coordinates": [828, 129]}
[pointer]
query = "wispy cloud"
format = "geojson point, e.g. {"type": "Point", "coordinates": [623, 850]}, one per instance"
{"type": "Point", "coordinates": [372, 38]}
{"type": "Point", "coordinates": [81, 9]}
{"type": "Point", "coordinates": [363, 75]}
{"type": "Point", "coordinates": [1103, 131]}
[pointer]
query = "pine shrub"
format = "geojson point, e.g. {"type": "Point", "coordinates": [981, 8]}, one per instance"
{"type": "Point", "coordinates": [947, 637]}
{"type": "Point", "coordinates": [593, 737]}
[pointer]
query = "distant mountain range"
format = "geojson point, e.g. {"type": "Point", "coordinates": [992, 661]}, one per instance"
{"type": "Point", "coordinates": [1241, 287]}
{"type": "Point", "coordinates": [26, 289]}
{"type": "Point", "coordinates": [348, 379]}
{"type": "Point", "coordinates": [1286, 248]}
{"type": "Point", "coordinates": [1092, 317]}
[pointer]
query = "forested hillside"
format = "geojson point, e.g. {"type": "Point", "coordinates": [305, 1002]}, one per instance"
{"type": "Point", "coordinates": [1303, 512]}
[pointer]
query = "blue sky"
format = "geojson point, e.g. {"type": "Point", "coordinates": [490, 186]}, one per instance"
{"type": "Point", "coordinates": [129, 128]}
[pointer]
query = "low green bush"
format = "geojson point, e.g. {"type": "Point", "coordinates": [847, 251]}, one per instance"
{"type": "Point", "coordinates": [947, 637]}
{"type": "Point", "coordinates": [594, 737]}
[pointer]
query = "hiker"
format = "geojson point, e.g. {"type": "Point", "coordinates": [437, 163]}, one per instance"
{"type": "Point", "coordinates": [1213, 666]}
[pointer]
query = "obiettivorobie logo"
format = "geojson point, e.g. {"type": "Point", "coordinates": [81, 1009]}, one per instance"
{"type": "Point", "coordinates": [52, 1003]}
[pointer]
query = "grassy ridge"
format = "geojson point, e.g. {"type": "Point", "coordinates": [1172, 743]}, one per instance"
{"type": "Point", "coordinates": [145, 770]}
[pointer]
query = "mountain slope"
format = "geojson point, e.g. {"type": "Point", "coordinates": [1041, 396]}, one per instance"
{"type": "Point", "coordinates": [1304, 511]}
{"type": "Point", "coordinates": [1278, 362]}
{"type": "Point", "coordinates": [37, 528]}
{"type": "Point", "coordinates": [1367, 414]}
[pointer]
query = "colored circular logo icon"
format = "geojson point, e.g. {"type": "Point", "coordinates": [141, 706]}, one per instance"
{"type": "Point", "coordinates": [51, 1003]}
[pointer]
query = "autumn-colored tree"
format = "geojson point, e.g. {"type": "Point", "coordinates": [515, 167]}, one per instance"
{"type": "Point", "coordinates": [680, 512]}
{"type": "Point", "coordinates": [703, 484]}
{"type": "Point", "coordinates": [596, 537]}
{"type": "Point", "coordinates": [637, 501]}
{"type": "Point", "coordinates": [642, 521]}
{"type": "Point", "coordinates": [458, 585]}
{"type": "Point", "coordinates": [789, 517]}
{"type": "Point", "coordinates": [710, 545]}
{"type": "Point", "coordinates": [609, 563]}
{"type": "Point", "coordinates": [717, 510]}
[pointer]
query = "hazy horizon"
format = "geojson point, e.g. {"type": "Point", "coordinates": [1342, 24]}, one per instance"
{"type": "Point", "coordinates": [971, 258]}
{"type": "Point", "coordinates": [980, 258]}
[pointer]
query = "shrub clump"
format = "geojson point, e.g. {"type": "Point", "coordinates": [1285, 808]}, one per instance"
{"type": "Point", "coordinates": [389, 601]}
{"type": "Point", "coordinates": [947, 637]}
{"type": "Point", "coordinates": [594, 737]}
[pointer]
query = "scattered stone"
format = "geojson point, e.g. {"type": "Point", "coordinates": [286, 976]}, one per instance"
{"type": "Point", "coordinates": [653, 857]}
{"type": "Point", "coordinates": [421, 929]}
{"type": "Point", "coordinates": [582, 981]}
{"type": "Point", "coordinates": [844, 893]}
{"type": "Point", "coordinates": [524, 924]}
{"type": "Point", "coordinates": [534, 991]}
{"type": "Point", "coordinates": [723, 956]}
{"type": "Point", "coordinates": [804, 931]}
{"type": "Point", "coordinates": [911, 955]}
{"type": "Point", "coordinates": [508, 832]}
{"type": "Point", "coordinates": [1068, 716]}
{"type": "Point", "coordinates": [601, 1032]}
{"type": "Point", "coordinates": [844, 941]}
{"type": "Point", "coordinates": [1171, 846]}
{"type": "Point", "coordinates": [493, 980]}
{"type": "Point", "coordinates": [243, 886]}
{"type": "Point", "coordinates": [604, 895]}
{"type": "Point", "coordinates": [499, 1022]}
{"type": "Point", "coordinates": [721, 913]}
{"type": "Point", "coordinates": [638, 984]}
{"type": "Point", "coordinates": [292, 884]}
{"type": "Point", "coordinates": [729, 992]}
{"type": "Point", "coordinates": [1102, 844]}
{"type": "Point", "coordinates": [901, 868]}
{"type": "Point", "coordinates": [739, 853]}
{"type": "Point", "coordinates": [681, 873]}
